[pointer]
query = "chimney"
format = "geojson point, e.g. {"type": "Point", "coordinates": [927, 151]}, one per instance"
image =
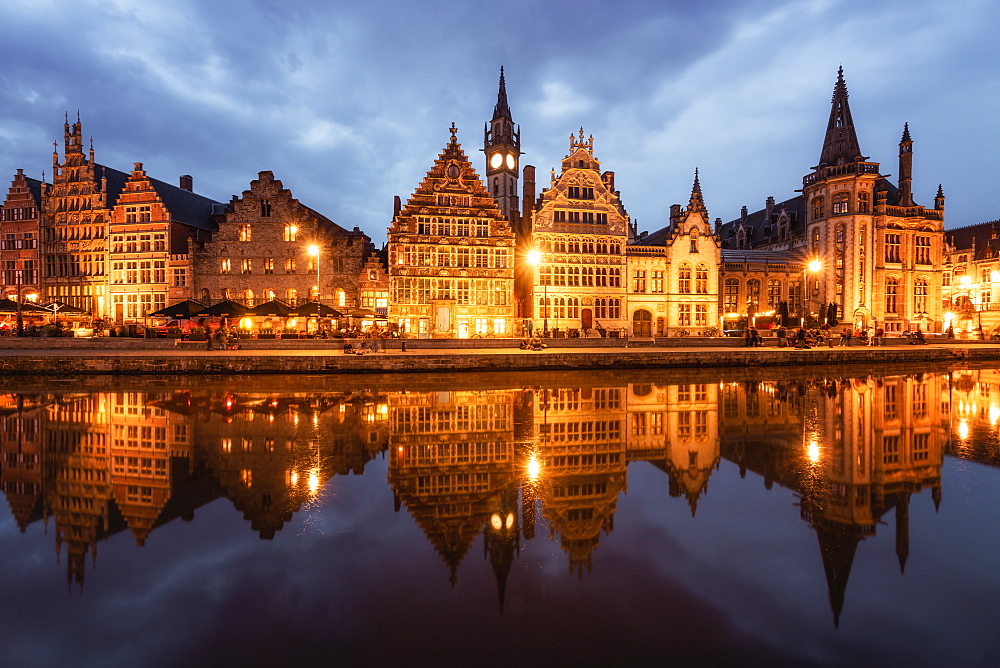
{"type": "Point", "coordinates": [397, 206]}
{"type": "Point", "coordinates": [675, 214]}
{"type": "Point", "coordinates": [187, 183]}
{"type": "Point", "coordinates": [527, 201]}
{"type": "Point", "coordinates": [769, 207]}
{"type": "Point", "coordinates": [743, 213]}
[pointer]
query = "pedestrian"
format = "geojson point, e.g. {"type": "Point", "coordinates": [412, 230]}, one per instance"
{"type": "Point", "coordinates": [845, 336]}
{"type": "Point", "coordinates": [879, 337]}
{"type": "Point", "coordinates": [782, 336]}
{"type": "Point", "coordinates": [871, 336]}
{"type": "Point", "coordinates": [800, 338]}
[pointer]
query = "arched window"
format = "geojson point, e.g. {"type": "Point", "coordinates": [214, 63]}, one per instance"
{"type": "Point", "coordinates": [701, 279]}
{"type": "Point", "coordinates": [205, 295]}
{"type": "Point", "coordinates": [891, 291]}
{"type": "Point", "coordinates": [694, 240]}
{"type": "Point", "coordinates": [341, 298]}
{"type": "Point", "coordinates": [731, 296]}
{"type": "Point", "coordinates": [269, 294]}
{"type": "Point", "coordinates": [773, 293]}
{"type": "Point", "coordinates": [684, 278]}
{"type": "Point", "coordinates": [753, 293]}
{"type": "Point", "coordinates": [291, 295]}
{"type": "Point", "coordinates": [817, 208]}
{"type": "Point", "coordinates": [248, 297]}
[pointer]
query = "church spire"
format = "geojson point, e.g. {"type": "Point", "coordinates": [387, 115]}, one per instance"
{"type": "Point", "coordinates": [502, 110]}
{"type": "Point", "coordinates": [840, 145]}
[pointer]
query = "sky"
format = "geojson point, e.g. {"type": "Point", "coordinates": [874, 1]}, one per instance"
{"type": "Point", "coordinates": [350, 103]}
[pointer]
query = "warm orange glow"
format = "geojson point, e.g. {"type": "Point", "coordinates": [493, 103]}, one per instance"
{"type": "Point", "coordinates": [313, 249]}
{"type": "Point", "coordinates": [963, 430]}
{"type": "Point", "coordinates": [534, 467]}
{"type": "Point", "coordinates": [534, 257]}
{"type": "Point", "coordinates": [813, 452]}
{"type": "Point", "coordinates": [313, 480]}
{"type": "Point", "coordinates": [815, 266]}
{"type": "Point", "coordinates": [496, 522]}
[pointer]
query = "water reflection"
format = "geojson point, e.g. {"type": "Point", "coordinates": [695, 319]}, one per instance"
{"type": "Point", "coordinates": [491, 464]}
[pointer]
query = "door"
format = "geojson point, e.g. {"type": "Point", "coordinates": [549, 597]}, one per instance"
{"type": "Point", "coordinates": [642, 323]}
{"type": "Point", "coordinates": [587, 318]}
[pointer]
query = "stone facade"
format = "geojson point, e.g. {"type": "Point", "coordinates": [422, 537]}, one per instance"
{"type": "Point", "coordinates": [970, 277]}
{"type": "Point", "coordinates": [264, 250]}
{"type": "Point", "coordinates": [451, 256]}
{"type": "Point", "coordinates": [20, 220]}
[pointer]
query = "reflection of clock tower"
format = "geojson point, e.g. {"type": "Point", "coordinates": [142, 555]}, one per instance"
{"type": "Point", "coordinates": [502, 144]}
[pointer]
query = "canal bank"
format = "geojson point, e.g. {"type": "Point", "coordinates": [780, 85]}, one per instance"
{"type": "Point", "coordinates": [141, 360]}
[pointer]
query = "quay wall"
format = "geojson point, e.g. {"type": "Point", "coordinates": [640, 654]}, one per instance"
{"type": "Point", "coordinates": [155, 361]}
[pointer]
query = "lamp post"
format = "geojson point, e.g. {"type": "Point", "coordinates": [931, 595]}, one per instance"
{"type": "Point", "coordinates": [314, 251]}
{"type": "Point", "coordinates": [535, 259]}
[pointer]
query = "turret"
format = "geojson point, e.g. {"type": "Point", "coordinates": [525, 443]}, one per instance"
{"type": "Point", "coordinates": [840, 145]}
{"type": "Point", "coordinates": [906, 168]}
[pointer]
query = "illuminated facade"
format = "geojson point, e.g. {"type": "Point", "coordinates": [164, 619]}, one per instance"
{"type": "Point", "coordinates": [451, 256]}
{"type": "Point", "coordinates": [880, 253]}
{"type": "Point", "coordinates": [20, 260]}
{"type": "Point", "coordinates": [971, 273]}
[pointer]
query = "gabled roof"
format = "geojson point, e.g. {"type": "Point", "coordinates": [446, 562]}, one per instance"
{"type": "Point", "coordinates": [975, 238]}
{"type": "Point", "coordinates": [35, 188]}
{"type": "Point", "coordinates": [185, 207]}
{"type": "Point", "coordinates": [756, 223]}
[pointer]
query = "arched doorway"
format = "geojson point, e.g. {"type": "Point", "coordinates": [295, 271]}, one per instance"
{"type": "Point", "coordinates": [642, 323]}
{"type": "Point", "coordinates": [587, 318]}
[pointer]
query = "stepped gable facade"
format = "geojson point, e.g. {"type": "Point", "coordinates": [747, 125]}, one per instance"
{"type": "Point", "coordinates": [20, 221]}
{"type": "Point", "coordinates": [970, 273]}
{"type": "Point", "coordinates": [451, 256]}
{"type": "Point", "coordinates": [264, 250]}
{"type": "Point", "coordinates": [580, 228]}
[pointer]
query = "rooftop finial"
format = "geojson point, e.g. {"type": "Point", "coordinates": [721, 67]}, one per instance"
{"type": "Point", "coordinates": [502, 109]}
{"type": "Point", "coordinates": [454, 132]}
{"type": "Point", "coordinates": [906, 133]}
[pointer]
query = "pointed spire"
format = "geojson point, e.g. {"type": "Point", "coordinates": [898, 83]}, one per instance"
{"type": "Point", "coordinates": [502, 110]}
{"type": "Point", "coordinates": [697, 202]}
{"type": "Point", "coordinates": [840, 145]}
{"type": "Point", "coordinates": [906, 133]}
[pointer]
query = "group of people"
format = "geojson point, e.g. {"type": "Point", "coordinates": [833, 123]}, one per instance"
{"type": "Point", "coordinates": [532, 344]}
{"type": "Point", "coordinates": [225, 338]}
{"type": "Point", "coordinates": [804, 338]}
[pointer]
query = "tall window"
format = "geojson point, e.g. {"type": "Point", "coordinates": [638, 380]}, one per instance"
{"type": "Point", "coordinates": [657, 280]}
{"type": "Point", "coordinates": [773, 293]}
{"type": "Point", "coordinates": [923, 250]}
{"type": "Point", "coordinates": [684, 279]}
{"type": "Point", "coordinates": [701, 315]}
{"type": "Point", "coordinates": [291, 232]}
{"type": "Point", "coordinates": [731, 295]}
{"type": "Point", "coordinates": [863, 202]}
{"type": "Point", "coordinates": [893, 244]}
{"type": "Point", "coordinates": [891, 290]}
{"type": "Point", "coordinates": [815, 241]}
{"type": "Point", "coordinates": [245, 232]}
{"type": "Point", "coordinates": [269, 265]}
{"type": "Point", "coordinates": [224, 266]}
{"type": "Point", "coordinates": [920, 296]}
{"type": "Point", "coordinates": [753, 293]}
{"type": "Point", "coordinates": [694, 241]}
{"type": "Point", "coordinates": [701, 279]}
{"type": "Point", "coordinates": [265, 208]}
{"type": "Point", "coordinates": [817, 208]}
{"type": "Point", "coordinates": [684, 315]}
{"type": "Point", "coordinates": [246, 265]}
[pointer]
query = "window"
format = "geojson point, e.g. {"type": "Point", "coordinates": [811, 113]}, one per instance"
{"type": "Point", "coordinates": [246, 265]}
{"type": "Point", "coordinates": [580, 192]}
{"type": "Point", "coordinates": [245, 232]}
{"type": "Point", "coordinates": [694, 242]}
{"type": "Point", "coordinates": [773, 293]}
{"type": "Point", "coordinates": [923, 250]}
{"type": "Point", "coordinates": [657, 281]}
{"type": "Point", "coordinates": [684, 279]}
{"type": "Point", "coordinates": [753, 293]}
{"type": "Point", "coordinates": [701, 279]}
{"type": "Point", "coordinates": [920, 296]}
{"type": "Point", "coordinates": [891, 289]}
{"type": "Point", "coordinates": [890, 449]}
{"type": "Point", "coordinates": [289, 265]}
{"type": "Point", "coordinates": [224, 266]}
{"type": "Point", "coordinates": [840, 203]}
{"type": "Point", "coordinates": [863, 200]}
{"type": "Point", "coordinates": [817, 208]}
{"type": "Point", "coordinates": [269, 265]}
{"type": "Point", "coordinates": [180, 277]}
{"type": "Point", "coordinates": [893, 243]}
{"type": "Point", "coordinates": [731, 295]}
{"type": "Point", "coordinates": [265, 208]}
{"type": "Point", "coordinates": [639, 280]}
{"type": "Point", "coordinates": [701, 315]}
{"type": "Point", "coordinates": [684, 315]}
{"type": "Point", "coordinates": [815, 241]}
{"type": "Point", "coordinates": [291, 232]}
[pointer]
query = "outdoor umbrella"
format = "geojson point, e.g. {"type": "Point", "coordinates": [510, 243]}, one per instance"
{"type": "Point", "coordinates": [64, 308]}
{"type": "Point", "coordinates": [831, 314]}
{"type": "Point", "coordinates": [180, 311]}
{"type": "Point", "coordinates": [273, 308]}
{"type": "Point", "coordinates": [362, 313]}
{"type": "Point", "coordinates": [10, 306]}
{"type": "Point", "coordinates": [316, 310]}
{"type": "Point", "coordinates": [224, 309]}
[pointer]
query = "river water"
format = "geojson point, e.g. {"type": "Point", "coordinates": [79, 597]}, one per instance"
{"type": "Point", "coordinates": [697, 517]}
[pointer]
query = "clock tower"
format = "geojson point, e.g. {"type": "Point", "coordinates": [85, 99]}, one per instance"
{"type": "Point", "coordinates": [502, 145]}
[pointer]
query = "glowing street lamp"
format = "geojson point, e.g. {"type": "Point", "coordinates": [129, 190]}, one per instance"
{"type": "Point", "coordinates": [813, 266]}
{"type": "Point", "coordinates": [535, 259]}
{"type": "Point", "coordinates": [314, 251]}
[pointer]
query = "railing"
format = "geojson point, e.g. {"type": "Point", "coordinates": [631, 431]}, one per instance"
{"type": "Point", "coordinates": [840, 170]}
{"type": "Point", "coordinates": [910, 212]}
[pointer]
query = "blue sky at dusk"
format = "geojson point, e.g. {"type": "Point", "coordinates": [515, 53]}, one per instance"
{"type": "Point", "coordinates": [349, 103]}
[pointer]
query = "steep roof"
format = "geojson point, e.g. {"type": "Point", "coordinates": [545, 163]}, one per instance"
{"type": "Point", "coordinates": [185, 207]}
{"type": "Point", "coordinates": [977, 238]}
{"type": "Point", "coordinates": [840, 145]}
{"type": "Point", "coordinates": [758, 222]}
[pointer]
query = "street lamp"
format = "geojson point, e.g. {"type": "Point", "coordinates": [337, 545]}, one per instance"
{"type": "Point", "coordinates": [314, 251]}
{"type": "Point", "coordinates": [535, 259]}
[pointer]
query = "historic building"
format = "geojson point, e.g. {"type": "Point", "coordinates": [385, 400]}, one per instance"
{"type": "Point", "coordinates": [271, 246]}
{"type": "Point", "coordinates": [879, 253]}
{"type": "Point", "coordinates": [673, 286]}
{"type": "Point", "coordinates": [151, 223]}
{"type": "Point", "coordinates": [19, 233]}
{"type": "Point", "coordinates": [579, 229]}
{"type": "Point", "coordinates": [971, 271]}
{"type": "Point", "coordinates": [451, 256]}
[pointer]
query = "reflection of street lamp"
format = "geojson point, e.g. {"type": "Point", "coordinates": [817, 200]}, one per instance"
{"type": "Point", "coordinates": [535, 259]}
{"type": "Point", "coordinates": [314, 251]}
{"type": "Point", "coordinates": [814, 266]}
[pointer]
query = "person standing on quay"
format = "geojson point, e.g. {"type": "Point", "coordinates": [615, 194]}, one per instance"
{"type": "Point", "coordinates": [871, 336]}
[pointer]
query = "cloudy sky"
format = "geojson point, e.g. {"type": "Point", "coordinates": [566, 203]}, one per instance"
{"type": "Point", "coordinates": [349, 103]}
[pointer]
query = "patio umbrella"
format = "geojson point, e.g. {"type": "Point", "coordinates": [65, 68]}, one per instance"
{"type": "Point", "coordinates": [64, 308]}
{"type": "Point", "coordinates": [315, 310]}
{"type": "Point", "coordinates": [225, 309]}
{"type": "Point", "coordinates": [273, 308]}
{"type": "Point", "coordinates": [362, 313]}
{"type": "Point", "coordinates": [180, 311]}
{"type": "Point", "coordinates": [10, 306]}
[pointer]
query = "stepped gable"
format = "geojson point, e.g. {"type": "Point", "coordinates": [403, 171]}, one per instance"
{"type": "Point", "coordinates": [453, 173]}
{"type": "Point", "coordinates": [982, 239]}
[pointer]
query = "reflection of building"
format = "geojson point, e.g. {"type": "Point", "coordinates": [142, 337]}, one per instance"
{"type": "Point", "coordinates": [851, 450]}
{"type": "Point", "coordinates": [21, 434]}
{"type": "Point", "coordinates": [581, 443]}
{"type": "Point", "coordinates": [451, 463]}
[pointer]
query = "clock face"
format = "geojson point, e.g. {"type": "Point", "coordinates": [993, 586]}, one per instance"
{"type": "Point", "coordinates": [511, 161]}
{"type": "Point", "coordinates": [496, 160]}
